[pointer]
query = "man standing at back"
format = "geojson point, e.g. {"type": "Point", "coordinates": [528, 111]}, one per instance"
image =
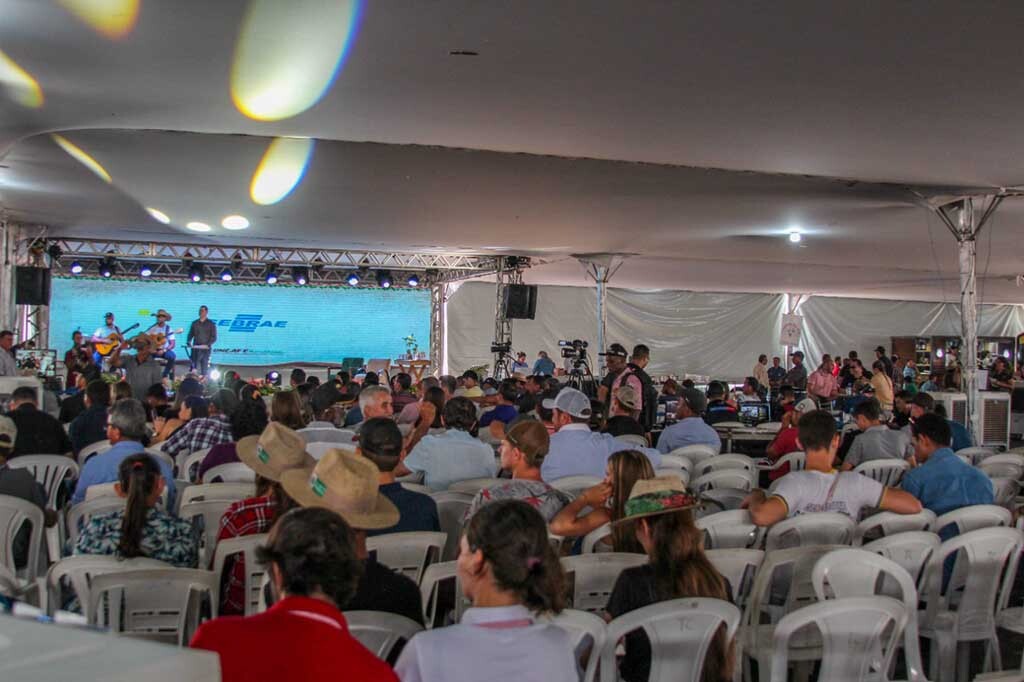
{"type": "Point", "coordinates": [761, 370]}
{"type": "Point", "coordinates": [797, 375]}
{"type": "Point", "coordinates": [202, 334]}
{"type": "Point", "coordinates": [648, 404]}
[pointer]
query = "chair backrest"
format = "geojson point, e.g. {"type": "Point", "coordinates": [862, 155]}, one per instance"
{"type": "Point", "coordinates": [79, 570]}
{"type": "Point", "coordinates": [408, 553]}
{"type": "Point", "coordinates": [910, 549]}
{"type": "Point", "coordinates": [594, 576]}
{"type": "Point", "coordinates": [188, 464]}
{"type": "Point", "coordinates": [852, 629]}
{"type": "Point", "coordinates": [730, 461]}
{"type": "Point", "coordinates": [232, 472]}
{"type": "Point", "coordinates": [381, 632]}
{"type": "Point", "coordinates": [451, 513]}
{"type": "Point", "coordinates": [432, 584]}
{"type": "Point", "coordinates": [1003, 466]}
{"type": "Point", "coordinates": [49, 470]}
{"type": "Point", "coordinates": [161, 456]}
{"type": "Point", "coordinates": [679, 461]}
{"type": "Point", "coordinates": [796, 461]}
{"type": "Point", "coordinates": [205, 517]}
{"type": "Point", "coordinates": [154, 603]}
{"type": "Point", "coordinates": [886, 523]}
{"type": "Point", "coordinates": [254, 571]}
{"type": "Point", "coordinates": [680, 632]}
{"type": "Point", "coordinates": [587, 638]}
{"type": "Point", "coordinates": [474, 485]}
{"type": "Point", "coordinates": [592, 541]}
{"type": "Point", "coordinates": [731, 529]}
{"type": "Point", "coordinates": [417, 487]}
{"type": "Point", "coordinates": [741, 479]}
{"type": "Point", "coordinates": [79, 514]}
{"type": "Point", "coordinates": [886, 471]}
{"type": "Point", "coordinates": [974, 517]}
{"type": "Point", "coordinates": [695, 453]}
{"type": "Point", "coordinates": [204, 492]}
{"type": "Point", "coordinates": [815, 528]}
{"type": "Point", "coordinates": [1005, 491]}
{"type": "Point", "coordinates": [722, 499]}
{"type": "Point", "coordinates": [574, 485]}
{"type": "Point", "coordinates": [634, 439]}
{"type": "Point", "coordinates": [15, 513]}
{"type": "Point", "coordinates": [319, 448]}
{"type": "Point", "coordinates": [975, 454]}
{"type": "Point", "coordinates": [739, 566]}
{"type": "Point", "coordinates": [92, 449]}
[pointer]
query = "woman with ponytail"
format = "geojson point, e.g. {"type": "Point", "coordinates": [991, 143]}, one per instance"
{"type": "Point", "coordinates": [141, 529]}
{"type": "Point", "coordinates": [508, 570]}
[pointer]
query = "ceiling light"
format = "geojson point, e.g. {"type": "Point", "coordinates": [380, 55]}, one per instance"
{"type": "Point", "coordinates": [300, 275]}
{"type": "Point", "coordinates": [158, 215]}
{"type": "Point", "coordinates": [226, 275]}
{"type": "Point", "coordinates": [271, 276]}
{"type": "Point", "coordinates": [107, 266]}
{"type": "Point", "coordinates": [795, 237]}
{"type": "Point", "coordinates": [235, 222]}
{"type": "Point", "coordinates": [384, 279]}
{"type": "Point", "coordinates": [145, 270]}
{"type": "Point", "coordinates": [414, 280]}
{"type": "Point", "coordinates": [280, 170]}
{"type": "Point", "coordinates": [76, 268]}
{"type": "Point", "coordinates": [23, 87]}
{"type": "Point", "coordinates": [195, 272]}
{"type": "Point", "coordinates": [353, 279]}
{"type": "Point", "coordinates": [197, 226]}
{"type": "Point", "coordinates": [82, 157]}
{"type": "Point", "coordinates": [112, 18]}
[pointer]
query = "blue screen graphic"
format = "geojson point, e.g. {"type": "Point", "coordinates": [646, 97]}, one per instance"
{"type": "Point", "coordinates": [256, 324]}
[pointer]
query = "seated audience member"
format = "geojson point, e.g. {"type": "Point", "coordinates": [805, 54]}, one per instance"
{"type": "Point", "coordinates": [660, 511]}
{"type": "Point", "coordinates": [402, 395]}
{"type": "Point", "coordinates": [546, 414]}
{"type": "Point", "coordinates": [204, 427]}
{"type": "Point", "coordinates": [172, 420]}
{"type": "Point", "coordinates": [819, 487]}
{"type": "Point", "coordinates": [436, 397]}
{"type": "Point", "coordinates": [313, 381]}
{"type": "Point", "coordinates": [608, 502]}
{"type": "Point", "coordinates": [932, 384]}
{"type": "Point", "coordinates": [718, 408]}
{"type": "Point", "coordinates": [322, 429]}
{"type": "Point", "coordinates": [269, 455]}
{"type": "Point", "coordinates": [346, 483]}
{"type": "Point", "coordinates": [313, 569]}
{"type": "Point", "coordinates": [91, 426]}
{"type": "Point", "coordinates": [38, 432]}
{"type": "Point", "coordinates": [286, 408]}
{"type": "Point", "coordinates": [454, 455]}
{"type": "Point", "coordinates": [750, 392]}
{"type": "Point", "coordinates": [787, 439]}
{"type": "Point", "coordinates": [508, 570]}
{"type": "Point", "coordinates": [625, 401]}
{"type": "Point", "coordinates": [669, 391]}
{"type": "Point", "coordinates": [249, 419]}
{"type": "Point", "coordinates": [156, 402]}
{"type": "Point", "coordinates": [141, 529]}
{"type": "Point", "coordinates": [505, 411]}
{"type": "Point", "coordinates": [470, 385]}
{"type": "Point", "coordinates": [374, 401]}
{"type": "Point", "coordinates": [901, 408]}
{"type": "Point", "coordinates": [922, 404]}
{"type": "Point", "coordinates": [941, 480]}
{"type": "Point", "coordinates": [380, 441]}
{"type": "Point", "coordinates": [876, 440]}
{"type": "Point", "coordinates": [120, 390]}
{"type": "Point", "coordinates": [449, 385]}
{"type": "Point", "coordinates": [624, 426]}
{"type": "Point", "coordinates": [690, 428]}
{"type": "Point", "coordinates": [858, 378]}
{"type": "Point", "coordinates": [882, 386]}
{"type": "Point", "coordinates": [576, 450]}
{"type": "Point", "coordinates": [522, 450]}
{"type": "Point", "coordinates": [297, 378]}
{"type": "Point", "coordinates": [74, 405]}
{"type": "Point", "coordinates": [821, 384]}
{"type": "Point", "coordinates": [125, 431]}
{"type": "Point", "coordinates": [410, 414]}
{"type": "Point", "coordinates": [22, 484]}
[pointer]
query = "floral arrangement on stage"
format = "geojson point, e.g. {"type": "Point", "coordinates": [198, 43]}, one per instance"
{"type": "Point", "coordinates": [412, 346]}
{"type": "Point", "coordinates": [264, 386]}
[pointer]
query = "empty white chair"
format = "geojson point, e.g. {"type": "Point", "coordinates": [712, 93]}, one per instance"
{"type": "Point", "coordinates": [592, 541]}
{"type": "Point", "coordinates": [974, 517]}
{"type": "Point", "coordinates": [594, 576]}
{"type": "Point", "coordinates": [451, 513]}
{"type": "Point", "coordinates": [674, 460]}
{"type": "Point", "coordinates": [730, 530]}
{"type": "Point", "coordinates": [888, 472]}
{"type": "Point", "coordinates": [78, 572]}
{"type": "Point", "coordinates": [231, 472]}
{"type": "Point", "coordinates": [15, 513]}
{"type": "Point", "coordinates": [89, 450]}
{"type": "Point", "coordinates": [204, 492]}
{"type": "Point", "coordinates": [740, 479]}
{"type": "Point", "coordinates": [962, 609]}
{"type": "Point", "coordinates": [1005, 491]}
{"type": "Point", "coordinates": [407, 553]}
{"type": "Point", "coordinates": [587, 638]}
{"type": "Point", "coordinates": [79, 515]}
{"type": "Point", "coordinates": [1006, 465]}
{"type": "Point", "coordinates": [49, 470]}
{"type": "Point", "coordinates": [887, 523]}
{"type": "Point", "coordinates": [679, 630]}
{"type": "Point", "coordinates": [730, 461]}
{"type": "Point", "coordinates": [975, 455]}
{"type": "Point", "coordinates": [695, 453]}
{"type": "Point", "coordinates": [849, 629]}
{"type": "Point", "coordinates": [381, 632]}
{"type": "Point", "coordinates": [574, 485]}
{"type": "Point", "coordinates": [254, 570]}
{"type": "Point", "coordinates": [817, 528]}
{"type": "Point", "coordinates": [155, 603]}
{"type": "Point", "coordinates": [739, 566]}
{"type": "Point", "coordinates": [910, 549]}
{"type": "Point", "coordinates": [188, 464]}
{"type": "Point", "coordinates": [205, 517]}
{"type": "Point", "coordinates": [475, 485]}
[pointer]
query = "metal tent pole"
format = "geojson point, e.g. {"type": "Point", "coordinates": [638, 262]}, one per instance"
{"type": "Point", "coordinates": [601, 267]}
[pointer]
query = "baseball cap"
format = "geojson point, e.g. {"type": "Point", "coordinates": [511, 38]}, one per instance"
{"type": "Point", "coordinates": [797, 354]}
{"type": "Point", "coordinates": [627, 397]}
{"type": "Point", "coordinates": [572, 402]}
{"type": "Point", "coordinates": [694, 399]}
{"type": "Point", "coordinates": [616, 350]}
{"type": "Point", "coordinates": [8, 431]}
{"type": "Point", "coordinates": [806, 405]}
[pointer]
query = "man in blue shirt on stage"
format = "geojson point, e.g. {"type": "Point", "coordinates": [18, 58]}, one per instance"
{"type": "Point", "coordinates": [691, 429]}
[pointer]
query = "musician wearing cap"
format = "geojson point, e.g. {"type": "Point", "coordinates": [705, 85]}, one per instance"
{"type": "Point", "coordinates": [163, 341]}
{"type": "Point", "coordinates": [104, 335]}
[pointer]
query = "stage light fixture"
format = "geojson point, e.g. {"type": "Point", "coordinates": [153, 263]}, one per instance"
{"type": "Point", "coordinates": [353, 279]}
{"type": "Point", "coordinates": [414, 280]}
{"type": "Point", "coordinates": [76, 268]}
{"type": "Point", "coordinates": [300, 275]}
{"type": "Point", "coordinates": [226, 275]}
{"type": "Point", "coordinates": [384, 279]}
{"type": "Point", "coordinates": [195, 272]}
{"type": "Point", "coordinates": [274, 377]}
{"type": "Point", "coordinates": [145, 270]}
{"type": "Point", "coordinates": [215, 374]}
{"type": "Point", "coordinates": [55, 252]}
{"type": "Point", "coordinates": [107, 266]}
{"type": "Point", "coordinates": [271, 276]}
{"type": "Point", "coordinates": [795, 237]}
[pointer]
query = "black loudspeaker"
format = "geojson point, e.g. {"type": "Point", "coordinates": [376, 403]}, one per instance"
{"type": "Point", "coordinates": [33, 286]}
{"type": "Point", "coordinates": [520, 301]}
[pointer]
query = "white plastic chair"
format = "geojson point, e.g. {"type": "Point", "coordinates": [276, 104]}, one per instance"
{"type": "Point", "coordinates": [975, 455]}
{"type": "Point", "coordinates": [741, 479]}
{"type": "Point", "coordinates": [161, 456]}
{"type": "Point", "coordinates": [154, 603]}
{"type": "Point", "coordinates": [730, 530]}
{"type": "Point", "coordinates": [254, 571]}
{"type": "Point", "coordinates": [682, 474]}
{"type": "Point", "coordinates": [1006, 465]}
{"type": "Point", "coordinates": [739, 566]}
{"type": "Point", "coordinates": [721, 499]}
{"type": "Point", "coordinates": [14, 513]}
{"type": "Point", "coordinates": [796, 461]}
{"type": "Point", "coordinates": [679, 461]}
{"type": "Point", "coordinates": [963, 610]}
{"type": "Point", "coordinates": [49, 470]}
{"type": "Point", "coordinates": [93, 448]}
{"type": "Point", "coordinates": [730, 461]}
{"type": "Point", "coordinates": [887, 523]}
{"type": "Point", "coordinates": [474, 485]}
{"type": "Point", "coordinates": [592, 541]}
{"type": "Point", "coordinates": [849, 628]}
{"type": "Point", "coordinates": [587, 638]}
{"type": "Point", "coordinates": [1005, 492]}
{"type": "Point", "coordinates": [634, 439]}
{"type": "Point", "coordinates": [79, 514]}
{"type": "Point", "coordinates": [232, 472]}
{"type": "Point", "coordinates": [79, 570]}
{"type": "Point", "coordinates": [319, 448]}
{"type": "Point", "coordinates": [910, 549]}
{"type": "Point", "coordinates": [594, 576]}
{"type": "Point", "coordinates": [974, 517]}
{"type": "Point", "coordinates": [816, 528]}
{"type": "Point", "coordinates": [888, 472]}
{"type": "Point", "coordinates": [680, 632]}
{"type": "Point", "coordinates": [381, 632]}
{"type": "Point", "coordinates": [205, 517]}
{"type": "Point", "coordinates": [407, 553]}
{"type": "Point", "coordinates": [188, 464]}
{"type": "Point", "coordinates": [434, 576]}
{"type": "Point", "coordinates": [695, 453]}
{"type": "Point", "coordinates": [574, 485]}
{"type": "Point", "coordinates": [205, 492]}
{"type": "Point", "coordinates": [860, 573]}
{"type": "Point", "coordinates": [451, 513]}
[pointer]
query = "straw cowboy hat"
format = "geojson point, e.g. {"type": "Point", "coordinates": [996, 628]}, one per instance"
{"type": "Point", "coordinates": [346, 483]}
{"type": "Point", "coordinates": [274, 451]}
{"type": "Point", "coordinates": [142, 342]}
{"type": "Point", "coordinates": [162, 313]}
{"type": "Point", "coordinates": [660, 495]}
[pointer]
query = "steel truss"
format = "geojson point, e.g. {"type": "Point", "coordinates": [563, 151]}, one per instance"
{"type": "Point", "coordinates": [509, 271]}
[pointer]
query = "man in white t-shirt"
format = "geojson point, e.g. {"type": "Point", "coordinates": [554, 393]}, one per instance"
{"type": "Point", "coordinates": [819, 487]}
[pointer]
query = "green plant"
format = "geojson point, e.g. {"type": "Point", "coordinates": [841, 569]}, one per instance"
{"type": "Point", "coordinates": [411, 344]}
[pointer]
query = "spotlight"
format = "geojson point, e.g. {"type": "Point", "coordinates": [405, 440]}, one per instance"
{"type": "Point", "coordinates": [414, 280]}
{"type": "Point", "coordinates": [353, 279]}
{"type": "Point", "coordinates": [384, 279]}
{"type": "Point", "coordinates": [76, 268]}
{"type": "Point", "coordinates": [215, 374]}
{"type": "Point", "coordinates": [55, 252]}
{"type": "Point", "coordinates": [226, 275]}
{"type": "Point", "coordinates": [107, 266]}
{"type": "Point", "coordinates": [271, 276]}
{"type": "Point", "coordinates": [794, 235]}
{"type": "Point", "coordinates": [300, 275]}
{"type": "Point", "coordinates": [195, 273]}
{"type": "Point", "coordinates": [145, 270]}
{"type": "Point", "coordinates": [274, 377]}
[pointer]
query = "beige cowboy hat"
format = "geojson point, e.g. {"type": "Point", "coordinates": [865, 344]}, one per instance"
{"type": "Point", "coordinates": [659, 495]}
{"type": "Point", "coordinates": [274, 451]}
{"type": "Point", "coordinates": [346, 483]}
{"type": "Point", "coordinates": [162, 313]}
{"type": "Point", "coordinates": [142, 342]}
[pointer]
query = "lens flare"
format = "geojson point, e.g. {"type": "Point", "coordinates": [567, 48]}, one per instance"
{"type": "Point", "coordinates": [23, 87]}
{"type": "Point", "coordinates": [281, 169]}
{"type": "Point", "coordinates": [158, 215]}
{"type": "Point", "coordinates": [235, 222]}
{"type": "Point", "coordinates": [197, 226]}
{"type": "Point", "coordinates": [79, 155]}
{"type": "Point", "coordinates": [288, 54]}
{"type": "Point", "coordinates": [113, 18]}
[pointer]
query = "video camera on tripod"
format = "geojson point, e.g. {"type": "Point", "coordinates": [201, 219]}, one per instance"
{"type": "Point", "coordinates": [576, 350]}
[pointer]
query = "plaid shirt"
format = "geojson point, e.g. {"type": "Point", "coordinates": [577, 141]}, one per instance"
{"type": "Point", "coordinates": [199, 434]}
{"type": "Point", "coordinates": [246, 517]}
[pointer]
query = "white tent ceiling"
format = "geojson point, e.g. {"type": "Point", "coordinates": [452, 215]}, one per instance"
{"type": "Point", "coordinates": [601, 120]}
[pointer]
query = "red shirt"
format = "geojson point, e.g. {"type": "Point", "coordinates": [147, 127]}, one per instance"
{"type": "Point", "coordinates": [784, 443]}
{"type": "Point", "coordinates": [245, 517]}
{"type": "Point", "coordinates": [297, 639]}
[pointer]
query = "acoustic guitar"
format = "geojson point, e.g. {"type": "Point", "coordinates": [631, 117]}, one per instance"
{"type": "Point", "coordinates": [113, 341]}
{"type": "Point", "coordinates": [160, 338]}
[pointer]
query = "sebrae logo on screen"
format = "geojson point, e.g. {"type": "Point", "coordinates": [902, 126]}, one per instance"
{"type": "Point", "coordinates": [250, 323]}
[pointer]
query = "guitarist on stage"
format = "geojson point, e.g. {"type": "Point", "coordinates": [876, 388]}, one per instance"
{"type": "Point", "coordinates": [166, 349]}
{"type": "Point", "coordinates": [104, 334]}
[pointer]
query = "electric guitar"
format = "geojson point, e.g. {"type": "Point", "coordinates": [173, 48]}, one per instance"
{"type": "Point", "coordinates": [113, 341]}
